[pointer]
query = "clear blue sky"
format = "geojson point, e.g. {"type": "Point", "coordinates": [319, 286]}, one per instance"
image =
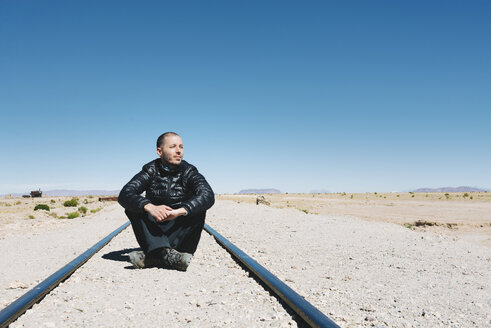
{"type": "Point", "coordinates": [338, 95]}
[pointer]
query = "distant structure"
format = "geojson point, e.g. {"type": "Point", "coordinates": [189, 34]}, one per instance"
{"type": "Point", "coordinates": [34, 193]}
{"type": "Point", "coordinates": [262, 200]}
{"type": "Point", "coordinates": [114, 198]}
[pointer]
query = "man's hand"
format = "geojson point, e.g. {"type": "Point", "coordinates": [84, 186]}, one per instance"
{"type": "Point", "coordinates": [163, 213]}
{"type": "Point", "coordinates": [176, 213]}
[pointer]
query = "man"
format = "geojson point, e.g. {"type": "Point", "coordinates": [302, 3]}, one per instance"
{"type": "Point", "coordinates": [168, 221]}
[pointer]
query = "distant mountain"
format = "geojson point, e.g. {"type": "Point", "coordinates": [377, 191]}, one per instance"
{"type": "Point", "coordinates": [450, 189]}
{"type": "Point", "coordinates": [64, 192]}
{"type": "Point", "coordinates": [260, 191]}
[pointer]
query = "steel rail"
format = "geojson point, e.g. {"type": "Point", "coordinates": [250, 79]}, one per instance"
{"type": "Point", "coordinates": [297, 303]}
{"type": "Point", "coordinates": [22, 304]}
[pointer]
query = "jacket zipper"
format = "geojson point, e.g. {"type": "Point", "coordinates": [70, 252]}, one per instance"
{"type": "Point", "coordinates": [169, 184]}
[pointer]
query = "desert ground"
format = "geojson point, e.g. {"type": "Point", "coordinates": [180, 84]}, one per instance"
{"type": "Point", "coordinates": [18, 215]}
{"type": "Point", "coordinates": [466, 215]}
{"type": "Point", "coordinates": [360, 261]}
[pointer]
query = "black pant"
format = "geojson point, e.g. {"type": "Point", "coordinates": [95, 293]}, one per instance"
{"type": "Point", "coordinates": [182, 234]}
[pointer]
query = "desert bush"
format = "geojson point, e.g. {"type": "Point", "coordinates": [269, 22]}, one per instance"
{"type": "Point", "coordinates": [41, 207]}
{"type": "Point", "coordinates": [465, 195]}
{"type": "Point", "coordinates": [71, 203]}
{"type": "Point", "coordinates": [83, 209]}
{"type": "Point", "coordinates": [31, 217]}
{"type": "Point", "coordinates": [471, 197]}
{"type": "Point", "coordinates": [447, 195]}
{"type": "Point", "coordinates": [53, 201]}
{"type": "Point", "coordinates": [412, 196]}
{"type": "Point", "coordinates": [96, 210]}
{"type": "Point", "coordinates": [18, 202]}
{"type": "Point", "coordinates": [351, 197]}
{"type": "Point", "coordinates": [54, 215]}
{"type": "Point", "coordinates": [73, 215]}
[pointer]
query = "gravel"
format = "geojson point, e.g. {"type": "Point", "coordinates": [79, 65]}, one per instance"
{"type": "Point", "coordinates": [360, 274]}
{"type": "Point", "coordinates": [364, 274]}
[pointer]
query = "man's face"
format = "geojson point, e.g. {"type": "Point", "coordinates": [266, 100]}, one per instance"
{"type": "Point", "coordinates": [171, 150]}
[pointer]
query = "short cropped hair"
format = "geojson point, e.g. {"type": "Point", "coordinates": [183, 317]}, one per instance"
{"type": "Point", "coordinates": [161, 138]}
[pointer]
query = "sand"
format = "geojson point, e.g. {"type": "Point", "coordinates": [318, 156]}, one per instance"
{"type": "Point", "coordinates": [465, 215]}
{"type": "Point", "coordinates": [361, 273]}
{"type": "Point", "coordinates": [32, 249]}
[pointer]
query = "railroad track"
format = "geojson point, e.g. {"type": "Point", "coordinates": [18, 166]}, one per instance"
{"type": "Point", "coordinates": [294, 301]}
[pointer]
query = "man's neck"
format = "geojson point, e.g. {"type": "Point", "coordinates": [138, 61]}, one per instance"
{"type": "Point", "coordinates": [168, 166]}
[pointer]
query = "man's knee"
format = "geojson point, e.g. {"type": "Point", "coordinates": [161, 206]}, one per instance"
{"type": "Point", "coordinates": [136, 216]}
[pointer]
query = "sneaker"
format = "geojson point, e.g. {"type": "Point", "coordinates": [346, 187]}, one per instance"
{"type": "Point", "coordinates": [137, 258]}
{"type": "Point", "coordinates": [176, 260]}
{"type": "Point", "coordinates": [140, 261]}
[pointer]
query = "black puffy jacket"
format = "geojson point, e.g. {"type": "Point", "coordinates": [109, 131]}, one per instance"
{"type": "Point", "coordinates": [182, 186]}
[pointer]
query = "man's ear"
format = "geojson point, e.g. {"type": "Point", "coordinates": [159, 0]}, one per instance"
{"type": "Point", "coordinates": [159, 151]}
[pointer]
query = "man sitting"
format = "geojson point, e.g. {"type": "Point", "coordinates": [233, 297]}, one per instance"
{"type": "Point", "coordinates": [168, 221]}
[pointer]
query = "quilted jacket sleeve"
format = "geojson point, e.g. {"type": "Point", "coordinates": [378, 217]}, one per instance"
{"type": "Point", "coordinates": [203, 196]}
{"type": "Point", "coordinates": [130, 196]}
